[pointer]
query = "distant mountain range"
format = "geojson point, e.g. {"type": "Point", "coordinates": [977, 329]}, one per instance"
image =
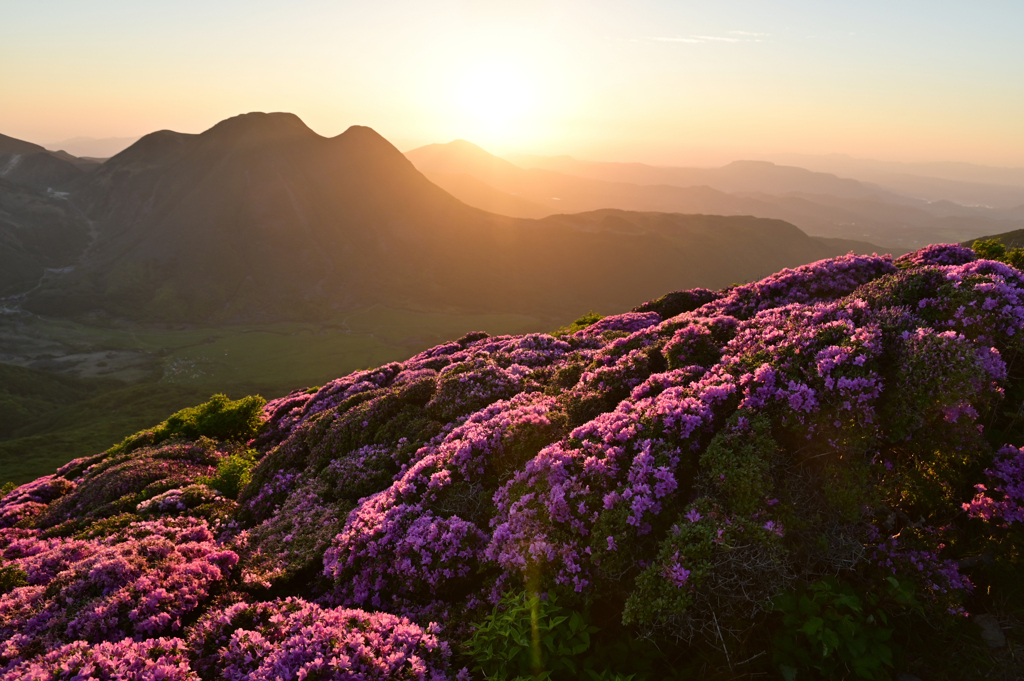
{"type": "Point", "coordinates": [966, 183]}
{"type": "Point", "coordinates": [260, 218]}
{"type": "Point", "coordinates": [819, 203]}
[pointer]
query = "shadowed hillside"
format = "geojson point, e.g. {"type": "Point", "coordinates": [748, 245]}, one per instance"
{"type": "Point", "coordinates": [37, 231]}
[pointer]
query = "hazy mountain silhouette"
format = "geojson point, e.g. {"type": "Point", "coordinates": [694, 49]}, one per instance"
{"type": "Point", "coordinates": [738, 176]}
{"type": "Point", "coordinates": [259, 217]}
{"type": "Point", "coordinates": [854, 211]}
{"type": "Point", "coordinates": [965, 183]}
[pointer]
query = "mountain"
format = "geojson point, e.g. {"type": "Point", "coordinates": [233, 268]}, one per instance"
{"type": "Point", "coordinates": [261, 218]}
{"type": "Point", "coordinates": [33, 166]}
{"type": "Point", "coordinates": [853, 211]}
{"type": "Point", "coordinates": [964, 183]}
{"type": "Point", "coordinates": [815, 476]}
{"type": "Point", "coordinates": [38, 232]}
{"type": "Point", "coordinates": [736, 177]}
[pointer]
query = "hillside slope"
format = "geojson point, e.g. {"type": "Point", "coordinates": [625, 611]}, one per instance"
{"type": "Point", "coordinates": [796, 476]}
{"type": "Point", "coordinates": [37, 232]}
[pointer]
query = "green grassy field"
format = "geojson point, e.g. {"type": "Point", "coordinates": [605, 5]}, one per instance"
{"type": "Point", "coordinates": [69, 389]}
{"type": "Point", "coordinates": [297, 355]}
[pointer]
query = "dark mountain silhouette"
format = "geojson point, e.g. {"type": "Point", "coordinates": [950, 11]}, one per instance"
{"type": "Point", "coordinates": [259, 217]}
{"type": "Point", "coordinates": [33, 166]}
{"type": "Point", "coordinates": [852, 210]}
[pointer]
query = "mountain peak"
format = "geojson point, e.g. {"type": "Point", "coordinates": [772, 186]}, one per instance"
{"type": "Point", "coordinates": [458, 156]}
{"type": "Point", "coordinates": [258, 126]}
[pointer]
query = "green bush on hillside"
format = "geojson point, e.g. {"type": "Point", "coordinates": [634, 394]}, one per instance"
{"type": "Point", "coordinates": [234, 472]}
{"type": "Point", "coordinates": [993, 249]}
{"type": "Point", "coordinates": [218, 418]}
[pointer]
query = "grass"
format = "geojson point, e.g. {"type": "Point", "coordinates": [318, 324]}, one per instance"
{"type": "Point", "coordinates": [99, 384]}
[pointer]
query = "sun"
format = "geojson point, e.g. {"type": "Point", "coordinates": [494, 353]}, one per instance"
{"type": "Point", "coordinates": [495, 94]}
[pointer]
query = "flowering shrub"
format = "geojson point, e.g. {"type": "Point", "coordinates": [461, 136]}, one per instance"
{"type": "Point", "coordinates": [31, 499]}
{"type": "Point", "coordinates": [155, 659]}
{"type": "Point", "coordinates": [678, 302]}
{"type": "Point", "coordinates": [684, 472]}
{"type": "Point", "coordinates": [1007, 482]}
{"type": "Point", "coordinates": [423, 537]}
{"type": "Point", "coordinates": [118, 481]}
{"type": "Point", "coordinates": [294, 639]}
{"type": "Point", "coordinates": [141, 581]}
{"type": "Point", "coordinates": [938, 254]}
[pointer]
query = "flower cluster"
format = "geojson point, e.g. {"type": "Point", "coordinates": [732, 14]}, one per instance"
{"type": "Point", "coordinates": [140, 582]}
{"type": "Point", "coordinates": [629, 323]}
{"type": "Point", "coordinates": [412, 542]}
{"type": "Point", "coordinates": [32, 498]}
{"type": "Point", "coordinates": [180, 499]}
{"type": "Point", "coordinates": [1006, 480]}
{"type": "Point", "coordinates": [937, 254]}
{"type": "Point", "coordinates": [294, 639]}
{"type": "Point", "coordinates": [154, 659]}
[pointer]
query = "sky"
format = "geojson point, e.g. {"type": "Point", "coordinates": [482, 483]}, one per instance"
{"type": "Point", "coordinates": [659, 81]}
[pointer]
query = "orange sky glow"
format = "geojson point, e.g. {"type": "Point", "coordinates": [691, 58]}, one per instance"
{"type": "Point", "coordinates": [653, 81]}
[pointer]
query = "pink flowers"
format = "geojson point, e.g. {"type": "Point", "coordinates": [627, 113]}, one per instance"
{"type": "Point", "coordinates": [1005, 499]}
{"type": "Point", "coordinates": [155, 659]}
{"type": "Point", "coordinates": [141, 581]}
{"type": "Point", "coordinates": [291, 639]}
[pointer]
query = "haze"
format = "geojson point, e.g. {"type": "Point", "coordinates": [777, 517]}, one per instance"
{"type": "Point", "coordinates": [658, 82]}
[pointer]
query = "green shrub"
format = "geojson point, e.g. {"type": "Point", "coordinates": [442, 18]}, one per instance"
{"type": "Point", "coordinates": [526, 637]}
{"type": "Point", "coordinates": [234, 472]}
{"type": "Point", "coordinates": [993, 249]}
{"type": "Point", "coordinates": [738, 460]}
{"type": "Point", "coordinates": [11, 577]}
{"type": "Point", "coordinates": [580, 324]}
{"type": "Point", "coordinates": [990, 249]}
{"type": "Point", "coordinates": [219, 418]}
{"type": "Point", "coordinates": [830, 631]}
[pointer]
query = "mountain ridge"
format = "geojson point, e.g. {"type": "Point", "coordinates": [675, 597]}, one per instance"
{"type": "Point", "coordinates": [260, 217]}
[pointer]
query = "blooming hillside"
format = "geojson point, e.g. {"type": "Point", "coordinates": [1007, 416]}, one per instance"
{"type": "Point", "coordinates": [816, 475]}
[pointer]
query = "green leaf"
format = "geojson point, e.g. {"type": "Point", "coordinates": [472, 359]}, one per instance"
{"type": "Point", "coordinates": [812, 626]}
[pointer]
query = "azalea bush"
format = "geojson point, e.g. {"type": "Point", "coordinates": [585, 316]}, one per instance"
{"type": "Point", "coordinates": [796, 476]}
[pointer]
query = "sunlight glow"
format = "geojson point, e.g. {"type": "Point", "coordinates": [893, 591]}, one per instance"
{"type": "Point", "coordinates": [496, 94]}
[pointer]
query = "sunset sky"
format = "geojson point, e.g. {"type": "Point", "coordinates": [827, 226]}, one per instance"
{"type": "Point", "coordinates": [667, 81]}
